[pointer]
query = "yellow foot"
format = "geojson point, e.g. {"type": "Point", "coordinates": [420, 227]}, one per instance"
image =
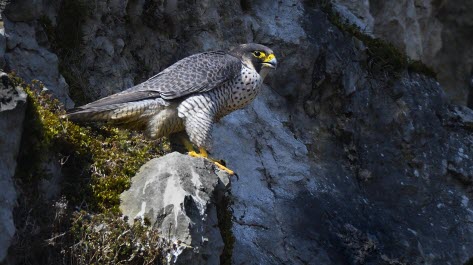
{"type": "Point", "coordinates": [194, 154]}
{"type": "Point", "coordinates": [224, 168]}
{"type": "Point", "coordinates": [203, 153]}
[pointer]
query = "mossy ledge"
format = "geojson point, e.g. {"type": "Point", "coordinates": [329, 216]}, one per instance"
{"type": "Point", "coordinates": [96, 166]}
{"type": "Point", "coordinates": [383, 56]}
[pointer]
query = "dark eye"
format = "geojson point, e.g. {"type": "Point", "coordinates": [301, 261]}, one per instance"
{"type": "Point", "coordinates": [257, 53]}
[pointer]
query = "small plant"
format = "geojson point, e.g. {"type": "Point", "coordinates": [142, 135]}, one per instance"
{"type": "Point", "coordinates": [110, 239]}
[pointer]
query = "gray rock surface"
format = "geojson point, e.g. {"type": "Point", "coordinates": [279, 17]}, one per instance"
{"type": "Point", "coordinates": [29, 60]}
{"type": "Point", "coordinates": [338, 164]}
{"type": "Point", "coordinates": [357, 12]}
{"type": "Point", "coordinates": [436, 32]}
{"type": "Point", "coordinates": [179, 194]}
{"type": "Point", "coordinates": [12, 111]}
{"type": "Point", "coordinates": [351, 169]}
{"type": "Point", "coordinates": [274, 169]}
{"type": "Point", "coordinates": [3, 46]}
{"type": "Point", "coordinates": [3, 4]}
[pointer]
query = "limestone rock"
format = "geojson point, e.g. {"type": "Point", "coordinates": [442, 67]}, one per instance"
{"type": "Point", "coordinates": [435, 32]}
{"type": "Point", "coordinates": [357, 12]}
{"type": "Point", "coordinates": [12, 111]}
{"type": "Point", "coordinates": [338, 164]}
{"type": "Point", "coordinates": [31, 61]}
{"type": "Point", "coordinates": [178, 195]}
{"type": "Point", "coordinates": [348, 178]}
{"type": "Point", "coordinates": [274, 169]}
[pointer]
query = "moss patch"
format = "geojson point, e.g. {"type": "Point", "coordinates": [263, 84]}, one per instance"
{"type": "Point", "coordinates": [107, 156]}
{"type": "Point", "coordinates": [96, 165]}
{"type": "Point", "coordinates": [419, 67]}
{"type": "Point", "coordinates": [382, 56]}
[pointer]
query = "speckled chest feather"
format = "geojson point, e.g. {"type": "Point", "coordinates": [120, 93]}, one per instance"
{"type": "Point", "coordinates": [199, 111]}
{"type": "Point", "coordinates": [241, 90]}
{"type": "Point", "coordinates": [231, 95]}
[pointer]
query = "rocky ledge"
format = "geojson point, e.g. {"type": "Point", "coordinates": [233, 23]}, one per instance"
{"type": "Point", "coordinates": [349, 156]}
{"type": "Point", "coordinates": [179, 195]}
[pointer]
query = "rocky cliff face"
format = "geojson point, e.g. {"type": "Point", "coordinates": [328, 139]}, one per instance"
{"type": "Point", "coordinates": [437, 32]}
{"type": "Point", "coordinates": [12, 112]}
{"type": "Point", "coordinates": [339, 161]}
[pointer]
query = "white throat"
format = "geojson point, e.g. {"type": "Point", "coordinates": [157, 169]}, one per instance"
{"type": "Point", "coordinates": [264, 72]}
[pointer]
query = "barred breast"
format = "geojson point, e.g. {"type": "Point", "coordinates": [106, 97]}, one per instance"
{"type": "Point", "coordinates": [200, 111]}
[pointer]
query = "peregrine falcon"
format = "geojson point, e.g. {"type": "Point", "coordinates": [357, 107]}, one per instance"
{"type": "Point", "coordinates": [189, 95]}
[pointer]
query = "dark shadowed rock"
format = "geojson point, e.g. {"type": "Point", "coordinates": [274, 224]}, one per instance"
{"type": "Point", "coordinates": [23, 10]}
{"type": "Point", "coordinates": [179, 194]}
{"type": "Point", "coordinates": [341, 161]}
{"type": "Point", "coordinates": [12, 111]}
{"type": "Point", "coordinates": [3, 46]}
{"type": "Point", "coordinates": [353, 166]}
{"type": "Point", "coordinates": [26, 57]}
{"type": "Point", "coordinates": [436, 32]}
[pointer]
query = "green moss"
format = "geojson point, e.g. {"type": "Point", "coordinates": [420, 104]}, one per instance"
{"type": "Point", "coordinates": [97, 163]}
{"type": "Point", "coordinates": [225, 225]}
{"type": "Point", "coordinates": [417, 66]}
{"type": "Point", "coordinates": [40, 129]}
{"type": "Point", "coordinates": [382, 56]}
{"type": "Point", "coordinates": [96, 167]}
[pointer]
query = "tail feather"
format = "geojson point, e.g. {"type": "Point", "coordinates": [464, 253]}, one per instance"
{"type": "Point", "coordinates": [123, 113]}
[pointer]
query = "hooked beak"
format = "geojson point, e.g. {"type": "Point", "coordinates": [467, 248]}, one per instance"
{"type": "Point", "coordinates": [271, 61]}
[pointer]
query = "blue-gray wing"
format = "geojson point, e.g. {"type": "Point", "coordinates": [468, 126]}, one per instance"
{"type": "Point", "coordinates": [194, 74]}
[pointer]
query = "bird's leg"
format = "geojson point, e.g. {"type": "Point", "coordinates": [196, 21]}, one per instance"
{"type": "Point", "coordinates": [190, 148]}
{"type": "Point", "coordinates": [203, 153]}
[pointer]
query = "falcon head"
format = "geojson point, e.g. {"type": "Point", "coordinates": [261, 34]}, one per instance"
{"type": "Point", "coordinates": [256, 56]}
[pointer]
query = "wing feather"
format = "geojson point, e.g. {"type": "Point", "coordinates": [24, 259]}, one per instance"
{"type": "Point", "coordinates": [119, 98]}
{"type": "Point", "coordinates": [196, 73]}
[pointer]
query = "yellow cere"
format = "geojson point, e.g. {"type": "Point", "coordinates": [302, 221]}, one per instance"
{"type": "Point", "coordinates": [269, 57]}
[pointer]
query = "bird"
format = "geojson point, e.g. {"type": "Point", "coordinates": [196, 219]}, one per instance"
{"type": "Point", "coordinates": [190, 95]}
